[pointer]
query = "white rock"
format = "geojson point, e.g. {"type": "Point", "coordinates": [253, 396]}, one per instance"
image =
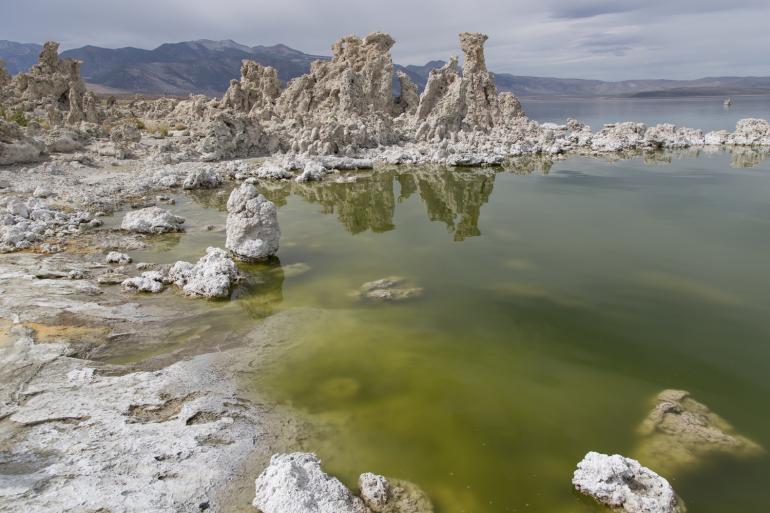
{"type": "Point", "coordinates": [295, 483]}
{"type": "Point", "coordinates": [205, 178]}
{"type": "Point", "coordinates": [150, 281]}
{"type": "Point", "coordinates": [252, 225]}
{"type": "Point", "coordinates": [213, 276]}
{"type": "Point", "coordinates": [151, 220]}
{"type": "Point", "coordinates": [624, 484]}
{"type": "Point", "coordinates": [271, 171]}
{"type": "Point", "coordinates": [114, 257]}
{"type": "Point", "coordinates": [313, 172]}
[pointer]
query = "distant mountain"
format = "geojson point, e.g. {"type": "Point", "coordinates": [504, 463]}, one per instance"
{"type": "Point", "coordinates": [206, 66]}
{"type": "Point", "coordinates": [202, 66]}
{"type": "Point", "coordinates": [18, 56]}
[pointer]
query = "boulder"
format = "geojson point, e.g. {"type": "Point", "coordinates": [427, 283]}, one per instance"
{"type": "Point", "coordinates": [295, 483]}
{"type": "Point", "coordinates": [151, 220]}
{"type": "Point", "coordinates": [252, 225]}
{"type": "Point", "coordinates": [213, 276]}
{"type": "Point", "coordinates": [625, 485]}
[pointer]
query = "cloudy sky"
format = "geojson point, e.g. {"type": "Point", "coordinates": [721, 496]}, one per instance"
{"type": "Point", "coordinates": [604, 39]}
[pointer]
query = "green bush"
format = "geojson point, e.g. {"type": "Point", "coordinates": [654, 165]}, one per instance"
{"type": "Point", "coordinates": [19, 118]}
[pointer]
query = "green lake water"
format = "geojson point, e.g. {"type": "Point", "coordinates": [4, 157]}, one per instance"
{"type": "Point", "coordinates": [556, 305]}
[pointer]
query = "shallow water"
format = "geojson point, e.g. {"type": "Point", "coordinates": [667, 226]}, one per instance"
{"type": "Point", "coordinates": [556, 307]}
{"type": "Point", "coordinates": [703, 113]}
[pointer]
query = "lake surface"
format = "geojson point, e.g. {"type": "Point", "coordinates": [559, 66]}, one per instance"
{"type": "Point", "coordinates": [704, 113]}
{"type": "Point", "coordinates": [557, 305]}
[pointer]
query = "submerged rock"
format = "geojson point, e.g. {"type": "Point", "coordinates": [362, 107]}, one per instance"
{"type": "Point", "coordinates": [679, 432]}
{"type": "Point", "coordinates": [386, 495]}
{"type": "Point", "coordinates": [213, 276]}
{"type": "Point", "coordinates": [375, 490]}
{"type": "Point", "coordinates": [624, 485]}
{"type": "Point", "coordinates": [295, 483]}
{"type": "Point", "coordinates": [392, 288]}
{"type": "Point", "coordinates": [252, 225]}
{"type": "Point", "coordinates": [152, 220]}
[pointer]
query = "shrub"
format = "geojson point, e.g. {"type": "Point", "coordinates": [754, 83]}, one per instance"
{"type": "Point", "coordinates": [163, 130]}
{"type": "Point", "coordinates": [181, 126]}
{"type": "Point", "coordinates": [19, 118]}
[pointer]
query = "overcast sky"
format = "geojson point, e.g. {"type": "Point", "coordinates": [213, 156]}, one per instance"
{"type": "Point", "coordinates": [604, 39]}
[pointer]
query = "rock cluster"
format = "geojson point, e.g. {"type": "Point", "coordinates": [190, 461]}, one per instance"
{"type": "Point", "coordinates": [213, 276]}
{"type": "Point", "coordinates": [624, 485]}
{"type": "Point", "coordinates": [296, 483]}
{"type": "Point", "coordinates": [24, 224]}
{"type": "Point", "coordinates": [252, 225]}
{"type": "Point", "coordinates": [344, 107]}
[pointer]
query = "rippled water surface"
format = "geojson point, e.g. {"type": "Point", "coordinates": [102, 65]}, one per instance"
{"type": "Point", "coordinates": [559, 300]}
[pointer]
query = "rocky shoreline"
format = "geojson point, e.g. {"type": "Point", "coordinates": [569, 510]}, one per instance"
{"type": "Point", "coordinates": [174, 434]}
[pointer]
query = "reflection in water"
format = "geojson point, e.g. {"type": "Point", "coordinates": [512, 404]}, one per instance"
{"type": "Point", "coordinates": [743, 157]}
{"type": "Point", "coordinates": [452, 197]}
{"type": "Point", "coordinates": [263, 290]}
{"type": "Point", "coordinates": [361, 205]}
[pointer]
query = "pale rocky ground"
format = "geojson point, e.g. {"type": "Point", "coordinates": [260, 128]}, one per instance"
{"type": "Point", "coordinates": [81, 435]}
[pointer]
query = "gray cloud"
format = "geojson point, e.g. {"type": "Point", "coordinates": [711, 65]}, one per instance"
{"type": "Point", "coordinates": [620, 39]}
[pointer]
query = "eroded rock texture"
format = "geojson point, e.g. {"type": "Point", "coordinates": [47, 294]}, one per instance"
{"type": "Point", "coordinates": [252, 225]}
{"type": "Point", "coordinates": [296, 483]}
{"type": "Point", "coordinates": [54, 85]}
{"type": "Point", "coordinates": [624, 485]}
{"type": "Point", "coordinates": [469, 102]}
{"type": "Point", "coordinates": [680, 432]}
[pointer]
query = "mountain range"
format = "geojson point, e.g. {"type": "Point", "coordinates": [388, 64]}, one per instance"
{"type": "Point", "coordinates": [205, 66]}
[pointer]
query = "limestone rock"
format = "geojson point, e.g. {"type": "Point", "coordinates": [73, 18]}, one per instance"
{"type": "Point", "coordinates": [125, 132]}
{"type": "Point", "coordinates": [751, 131]}
{"type": "Point", "coordinates": [150, 281]}
{"type": "Point", "coordinates": [624, 485]}
{"type": "Point", "coordinates": [256, 92]}
{"type": "Point", "coordinates": [202, 178]}
{"type": "Point", "coordinates": [54, 84]}
{"type": "Point", "coordinates": [272, 171]}
{"type": "Point", "coordinates": [213, 276]}
{"type": "Point", "coordinates": [313, 172]}
{"type": "Point", "coordinates": [679, 432]}
{"type": "Point", "coordinates": [295, 483]}
{"type": "Point", "coordinates": [375, 490]}
{"type": "Point", "coordinates": [114, 257]}
{"type": "Point", "coordinates": [16, 147]}
{"type": "Point", "coordinates": [152, 220]}
{"type": "Point", "coordinates": [252, 225]}
{"type": "Point", "coordinates": [619, 137]}
{"type": "Point", "coordinates": [408, 98]}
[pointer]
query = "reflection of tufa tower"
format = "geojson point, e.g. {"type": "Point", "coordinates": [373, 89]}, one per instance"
{"type": "Point", "coordinates": [453, 197]}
